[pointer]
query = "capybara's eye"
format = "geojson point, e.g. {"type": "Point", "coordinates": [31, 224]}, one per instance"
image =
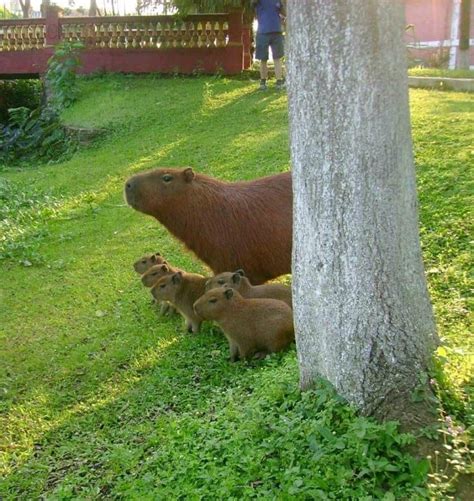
{"type": "Point", "coordinates": [167, 178]}
{"type": "Point", "coordinates": [221, 281]}
{"type": "Point", "coordinates": [154, 274]}
{"type": "Point", "coordinates": [213, 300]}
{"type": "Point", "coordinates": [162, 286]}
{"type": "Point", "coordinates": [144, 261]}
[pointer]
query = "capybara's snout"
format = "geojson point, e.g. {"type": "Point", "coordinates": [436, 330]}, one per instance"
{"type": "Point", "coordinates": [130, 191]}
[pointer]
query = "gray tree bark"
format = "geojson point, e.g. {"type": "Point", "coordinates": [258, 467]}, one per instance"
{"type": "Point", "coordinates": [93, 8]}
{"type": "Point", "coordinates": [362, 311]}
{"type": "Point", "coordinates": [25, 8]}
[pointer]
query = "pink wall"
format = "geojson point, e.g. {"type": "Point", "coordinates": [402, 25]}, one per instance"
{"type": "Point", "coordinates": [431, 20]}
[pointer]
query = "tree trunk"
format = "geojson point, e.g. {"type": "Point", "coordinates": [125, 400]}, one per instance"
{"type": "Point", "coordinates": [25, 8]}
{"type": "Point", "coordinates": [93, 8]}
{"type": "Point", "coordinates": [464, 35]}
{"type": "Point", "coordinates": [45, 4]}
{"type": "Point", "coordinates": [362, 312]}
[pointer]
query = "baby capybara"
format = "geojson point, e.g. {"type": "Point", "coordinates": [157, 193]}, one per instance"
{"type": "Point", "coordinates": [239, 282]}
{"type": "Point", "coordinates": [153, 274]}
{"type": "Point", "coordinates": [251, 220]}
{"type": "Point", "coordinates": [147, 261]}
{"type": "Point", "coordinates": [182, 290]}
{"type": "Point", "coordinates": [252, 326]}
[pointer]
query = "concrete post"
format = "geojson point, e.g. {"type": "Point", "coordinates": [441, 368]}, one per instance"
{"type": "Point", "coordinates": [53, 34]}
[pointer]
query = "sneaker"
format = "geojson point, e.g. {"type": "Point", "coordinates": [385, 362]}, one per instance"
{"type": "Point", "coordinates": [280, 85]}
{"type": "Point", "coordinates": [263, 85]}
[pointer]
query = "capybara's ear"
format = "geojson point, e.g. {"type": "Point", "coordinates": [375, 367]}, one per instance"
{"type": "Point", "coordinates": [164, 268]}
{"type": "Point", "coordinates": [157, 254]}
{"type": "Point", "coordinates": [236, 277]}
{"type": "Point", "coordinates": [153, 258]}
{"type": "Point", "coordinates": [176, 279]}
{"type": "Point", "coordinates": [228, 293]}
{"type": "Point", "coordinates": [241, 272]}
{"type": "Point", "coordinates": [188, 174]}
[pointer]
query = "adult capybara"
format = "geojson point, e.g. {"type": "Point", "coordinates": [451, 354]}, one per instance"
{"type": "Point", "coordinates": [239, 282]}
{"type": "Point", "coordinates": [252, 326]}
{"type": "Point", "coordinates": [147, 261]}
{"type": "Point", "coordinates": [182, 290]}
{"type": "Point", "coordinates": [245, 225]}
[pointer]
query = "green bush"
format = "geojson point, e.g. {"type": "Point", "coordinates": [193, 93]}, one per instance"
{"type": "Point", "coordinates": [35, 132]}
{"type": "Point", "coordinates": [33, 135]}
{"type": "Point", "coordinates": [61, 74]}
{"type": "Point", "coordinates": [16, 93]}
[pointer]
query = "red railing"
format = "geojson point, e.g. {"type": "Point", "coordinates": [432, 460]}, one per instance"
{"type": "Point", "coordinates": [137, 44]}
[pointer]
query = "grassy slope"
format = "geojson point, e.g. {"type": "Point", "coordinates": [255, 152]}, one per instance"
{"type": "Point", "coordinates": [102, 398]}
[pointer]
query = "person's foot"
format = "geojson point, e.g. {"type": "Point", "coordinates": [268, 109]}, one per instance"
{"type": "Point", "coordinates": [263, 85]}
{"type": "Point", "coordinates": [280, 85]}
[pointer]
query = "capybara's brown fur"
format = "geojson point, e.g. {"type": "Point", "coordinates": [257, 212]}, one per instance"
{"type": "Point", "coordinates": [239, 282]}
{"type": "Point", "coordinates": [245, 225]}
{"type": "Point", "coordinates": [252, 326]}
{"type": "Point", "coordinates": [182, 290]}
{"type": "Point", "coordinates": [147, 261]}
{"type": "Point", "coordinates": [152, 275]}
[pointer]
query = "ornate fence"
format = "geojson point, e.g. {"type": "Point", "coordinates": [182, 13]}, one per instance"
{"type": "Point", "coordinates": [22, 34]}
{"type": "Point", "coordinates": [157, 32]}
{"type": "Point", "coordinates": [137, 44]}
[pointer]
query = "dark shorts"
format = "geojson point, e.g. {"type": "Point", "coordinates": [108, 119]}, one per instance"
{"type": "Point", "coordinates": [265, 40]}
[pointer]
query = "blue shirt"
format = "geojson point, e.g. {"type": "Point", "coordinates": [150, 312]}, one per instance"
{"type": "Point", "coordinates": [268, 16]}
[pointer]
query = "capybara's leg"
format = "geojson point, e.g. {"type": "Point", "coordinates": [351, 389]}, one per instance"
{"type": "Point", "coordinates": [164, 308]}
{"type": "Point", "coordinates": [171, 310]}
{"type": "Point", "coordinates": [234, 351]}
{"type": "Point", "coordinates": [195, 326]}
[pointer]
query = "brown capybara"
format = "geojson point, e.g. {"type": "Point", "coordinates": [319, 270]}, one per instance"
{"type": "Point", "coordinates": [245, 225]}
{"type": "Point", "coordinates": [182, 290]}
{"type": "Point", "coordinates": [153, 274]}
{"type": "Point", "coordinates": [252, 326]}
{"type": "Point", "coordinates": [147, 261]}
{"type": "Point", "coordinates": [239, 282]}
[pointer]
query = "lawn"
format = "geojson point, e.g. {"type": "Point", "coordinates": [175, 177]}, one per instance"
{"type": "Point", "coordinates": [101, 398]}
{"type": "Point", "coordinates": [419, 71]}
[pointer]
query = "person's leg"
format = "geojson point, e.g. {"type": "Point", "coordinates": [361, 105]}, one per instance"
{"type": "Point", "coordinates": [261, 53]}
{"type": "Point", "coordinates": [278, 69]}
{"type": "Point", "coordinates": [278, 53]}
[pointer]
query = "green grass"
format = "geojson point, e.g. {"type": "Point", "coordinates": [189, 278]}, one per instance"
{"type": "Point", "coordinates": [418, 71]}
{"type": "Point", "coordinates": [101, 398]}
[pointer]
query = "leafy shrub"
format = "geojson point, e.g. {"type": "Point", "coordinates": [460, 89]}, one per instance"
{"type": "Point", "coordinates": [38, 134]}
{"type": "Point", "coordinates": [61, 74]}
{"type": "Point", "coordinates": [34, 135]}
{"type": "Point", "coordinates": [16, 93]}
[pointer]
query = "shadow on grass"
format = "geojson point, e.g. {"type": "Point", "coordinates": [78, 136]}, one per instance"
{"type": "Point", "coordinates": [130, 415]}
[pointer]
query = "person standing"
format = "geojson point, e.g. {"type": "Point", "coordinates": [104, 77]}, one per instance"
{"type": "Point", "coordinates": [270, 14]}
